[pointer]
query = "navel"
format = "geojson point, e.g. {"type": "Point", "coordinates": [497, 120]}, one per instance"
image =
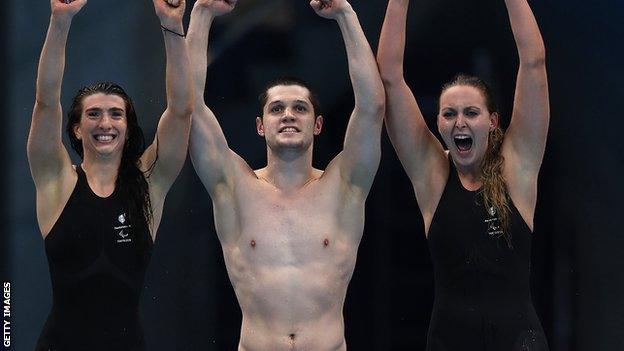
{"type": "Point", "coordinates": [252, 243]}
{"type": "Point", "coordinates": [326, 242]}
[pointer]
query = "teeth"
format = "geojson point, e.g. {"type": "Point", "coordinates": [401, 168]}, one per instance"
{"type": "Point", "coordinates": [288, 130]}
{"type": "Point", "coordinates": [462, 137]}
{"type": "Point", "coordinates": [104, 137]}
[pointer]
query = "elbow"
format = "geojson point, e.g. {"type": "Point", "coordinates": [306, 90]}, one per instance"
{"type": "Point", "coordinates": [390, 79]}
{"type": "Point", "coordinates": [46, 102]}
{"type": "Point", "coordinates": [390, 71]}
{"type": "Point", "coordinates": [375, 106]}
{"type": "Point", "coordinates": [390, 75]}
{"type": "Point", "coordinates": [182, 111]}
{"type": "Point", "coordinates": [537, 59]}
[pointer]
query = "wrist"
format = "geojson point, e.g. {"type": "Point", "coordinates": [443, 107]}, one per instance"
{"type": "Point", "coordinates": [60, 21]}
{"type": "Point", "coordinates": [172, 24]}
{"type": "Point", "coordinates": [203, 11]}
{"type": "Point", "coordinates": [344, 13]}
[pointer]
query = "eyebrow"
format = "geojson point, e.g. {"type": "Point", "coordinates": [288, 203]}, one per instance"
{"type": "Point", "coordinates": [114, 109]}
{"type": "Point", "coordinates": [303, 102]}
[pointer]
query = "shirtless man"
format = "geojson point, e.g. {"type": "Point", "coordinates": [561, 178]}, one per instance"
{"type": "Point", "coordinates": [289, 232]}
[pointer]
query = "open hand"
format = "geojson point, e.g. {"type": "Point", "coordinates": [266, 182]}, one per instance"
{"type": "Point", "coordinates": [217, 7]}
{"type": "Point", "coordinates": [329, 8]}
{"type": "Point", "coordinates": [66, 8]}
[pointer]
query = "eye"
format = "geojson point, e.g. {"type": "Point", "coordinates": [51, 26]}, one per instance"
{"type": "Point", "coordinates": [93, 114]}
{"type": "Point", "coordinates": [117, 115]}
{"type": "Point", "coordinates": [472, 113]}
{"type": "Point", "coordinates": [276, 109]}
{"type": "Point", "coordinates": [301, 108]}
{"type": "Point", "coordinates": [448, 114]}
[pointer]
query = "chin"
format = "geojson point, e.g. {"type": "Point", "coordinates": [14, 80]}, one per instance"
{"type": "Point", "coordinates": [467, 161]}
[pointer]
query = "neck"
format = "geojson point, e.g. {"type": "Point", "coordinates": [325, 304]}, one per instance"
{"type": "Point", "coordinates": [470, 176]}
{"type": "Point", "coordinates": [289, 169]}
{"type": "Point", "coordinates": [101, 171]}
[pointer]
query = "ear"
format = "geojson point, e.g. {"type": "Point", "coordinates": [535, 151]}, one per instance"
{"type": "Point", "coordinates": [76, 130]}
{"type": "Point", "coordinates": [494, 121]}
{"type": "Point", "coordinates": [259, 126]}
{"type": "Point", "coordinates": [318, 125]}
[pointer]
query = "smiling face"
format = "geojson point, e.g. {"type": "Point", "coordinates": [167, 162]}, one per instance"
{"type": "Point", "coordinates": [464, 122]}
{"type": "Point", "coordinates": [288, 121]}
{"type": "Point", "coordinates": [103, 125]}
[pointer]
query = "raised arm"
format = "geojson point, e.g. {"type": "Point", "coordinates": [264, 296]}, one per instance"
{"type": "Point", "coordinates": [47, 156]}
{"type": "Point", "coordinates": [525, 140]}
{"type": "Point", "coordinates": [360, 157]}
{"type": "Point", "coordinates": [420, 152]}
{"type": "Point", "coordinates": [166, 155]}
{"type": "Point", "coordinates": [209, 149]}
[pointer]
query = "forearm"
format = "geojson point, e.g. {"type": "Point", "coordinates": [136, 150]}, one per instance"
{"type": "Point", "coordinates": [526, 33]}
{"type": "Point", "coordinates": [207, 140]}
{"type": "Point", "coordinates": [52, 63]}
{"type": "Point", "coordinates": [391, 51]}
{"type": "Point", "coordinates": [178, 74]}
{"type": "Point", "coordinates": [367, 85]}
{"type": "Point", "coordinates": [198, 34]}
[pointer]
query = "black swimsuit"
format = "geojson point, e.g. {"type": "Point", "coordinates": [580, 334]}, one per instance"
{"type": "Point", "coordinates": [97, 273]}
{"type": "Point", "coordinates": [482, 287]}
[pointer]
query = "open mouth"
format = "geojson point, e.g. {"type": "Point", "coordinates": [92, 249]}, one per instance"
{"type": "Point", "coordinates": [463, 142]}
{"type": "Point", "coordinates": [289, 130]}
{"type": "Point", "coordinates": [105, 138]}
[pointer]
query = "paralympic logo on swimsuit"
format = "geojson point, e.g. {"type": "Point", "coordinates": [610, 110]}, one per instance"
{"type": "Point", "coordinates": [124, 235]}
{"type": "Point", "coordinates": [494, 229]}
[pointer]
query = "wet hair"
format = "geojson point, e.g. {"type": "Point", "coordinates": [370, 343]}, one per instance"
{"type": "Point", "coordinates": [131, 182]}
{"type": "Point", "coordinates": [289, 80]}
{"type": "Point", "coordinates": [494, 191]}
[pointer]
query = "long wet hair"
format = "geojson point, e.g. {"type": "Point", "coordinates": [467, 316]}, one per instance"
{"type": "Point", "coordinates": [494, 190]}
{"type": "Point", "coordinates": [131, 182]}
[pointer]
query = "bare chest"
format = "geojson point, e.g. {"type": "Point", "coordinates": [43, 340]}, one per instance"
{"type": "Point", "coordinates": [293, 229]}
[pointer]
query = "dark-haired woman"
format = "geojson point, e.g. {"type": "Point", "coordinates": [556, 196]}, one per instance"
{"type": "Point", "coordinates": [477, 198]}
{"type": "Point", "coordinates": [99, 218]}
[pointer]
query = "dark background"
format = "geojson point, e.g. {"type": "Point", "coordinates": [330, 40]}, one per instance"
{"type": "Point", "coordinates": [188, 302]}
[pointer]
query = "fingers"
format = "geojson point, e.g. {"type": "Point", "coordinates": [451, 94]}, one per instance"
{"type": "Point", "coordinates": [316, 5]}
{"type": "Point", "coordinates": [67, 6]}
{"type": "Point", "coordinates": [319, 5]}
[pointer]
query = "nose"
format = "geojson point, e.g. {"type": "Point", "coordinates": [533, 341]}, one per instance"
{"type": "Point", "coordinates": [288, 115]}
{"type": "Point", "coordinates": [105, 122]}
{"type": "Point", "coordinates": [460, 122]}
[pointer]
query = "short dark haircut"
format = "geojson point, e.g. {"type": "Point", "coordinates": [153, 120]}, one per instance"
{"type": "Point", "coordinates": [289, 80]}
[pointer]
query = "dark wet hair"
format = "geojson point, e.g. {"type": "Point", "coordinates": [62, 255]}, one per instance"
{"type": "Point", "coordinates": [494, 191]}
{"type": "Point", "coordinates": [289, 80]}
{"type": "Point", "coordinates": [131, 181]}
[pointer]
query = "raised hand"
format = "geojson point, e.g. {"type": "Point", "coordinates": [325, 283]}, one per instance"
{"type": "Point", "coordinates": [330, 9]}
{"type": "Point", "coordinates": [170, 12]}
{"type": "Point", "coordinates": [217, 7]}
{"type": "Point", "coordinates": [66, 9]}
